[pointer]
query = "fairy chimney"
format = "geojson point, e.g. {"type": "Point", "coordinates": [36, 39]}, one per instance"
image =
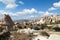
{"type": "Point", "coordinates": [7, 21]}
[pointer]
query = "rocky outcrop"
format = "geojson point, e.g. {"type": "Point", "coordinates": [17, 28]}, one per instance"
{"type": "Point", "coordinates": [7, 21]}
{"type": "Point", "coordinates": [53, 19]}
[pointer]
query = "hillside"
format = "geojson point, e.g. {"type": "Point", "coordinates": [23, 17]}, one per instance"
{"type": "Point", "coordinates": [48, 20]}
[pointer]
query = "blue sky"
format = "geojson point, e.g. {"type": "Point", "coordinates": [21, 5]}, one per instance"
{"type": "Point", "coordinates": [29, 9]}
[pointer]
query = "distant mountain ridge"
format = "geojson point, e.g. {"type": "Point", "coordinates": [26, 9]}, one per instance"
{"type": "Point", "coordinates": [21, 20]}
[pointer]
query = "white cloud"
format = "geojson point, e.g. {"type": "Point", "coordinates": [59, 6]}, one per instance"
{"type": "Point", "coordinates": [20, 13]}
{"type": "Point", "coordinates": [11, 6]}
{"type": "Point", "coordinates": [30, 11]}
{"type": "Point", "coordinates": [24, 12]}
{"type": "Point", "coordinates": [33, 11]}
{"type": "Point", "coordinates": [46, 13]}
{"type": "Point", "coordinates": [52, 8]}
{"type": "Point", "coordinates": [10, 3]}
{"type": "Point", "coordinates": [3, 12]}
{"type": "Point", "coordinates": [9, 13]}
{"type": "Point", "coordinates": [21, 2]}
{"type": "Point", "coordinates": [57, 4]}
{"type": "Point", "coordinates": [27, 11]}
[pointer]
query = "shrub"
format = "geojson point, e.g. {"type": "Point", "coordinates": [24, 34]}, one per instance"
{"type": "Point", "coordinates": [56, 28]}
{"type": "Point", "coordinates": [43, 33]}
{"type": "Point", "coordinates": [5, 36]}
{"type": "Point", "coordinates": [36, 28]}
{"type": "Point", "coordinates": [43, 26]}
{"type": "Point", "coordinates": [20, 27]}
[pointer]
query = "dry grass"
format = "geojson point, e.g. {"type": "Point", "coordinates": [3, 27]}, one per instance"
{"type": "Point", "coordinates": [21, 36]}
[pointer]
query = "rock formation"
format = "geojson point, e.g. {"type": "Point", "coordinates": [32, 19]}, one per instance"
{"type": "Point", "coordinates": [7, 21]}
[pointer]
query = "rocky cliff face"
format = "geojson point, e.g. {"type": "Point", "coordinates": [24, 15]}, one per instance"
{"type": "Point", "coordinates": [49, 19]}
